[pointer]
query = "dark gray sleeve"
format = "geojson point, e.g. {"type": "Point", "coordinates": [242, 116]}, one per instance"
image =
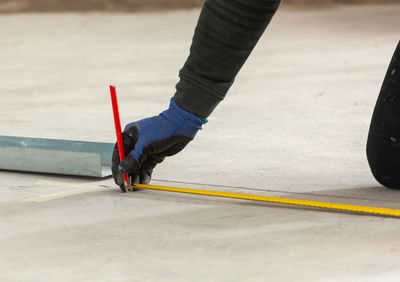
{"type": "Point", "coordinates": [226, 33]}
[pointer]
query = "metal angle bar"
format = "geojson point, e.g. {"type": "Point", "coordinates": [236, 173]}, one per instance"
{"type": "Point", "coordinates": [68, 157]}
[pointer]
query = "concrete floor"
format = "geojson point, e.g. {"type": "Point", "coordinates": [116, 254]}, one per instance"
{"type": "Point", "coordinates": [294, 125]}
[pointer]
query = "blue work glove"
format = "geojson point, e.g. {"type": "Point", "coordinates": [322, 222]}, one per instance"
{"type": "Point", "coordinates": [148, 141]}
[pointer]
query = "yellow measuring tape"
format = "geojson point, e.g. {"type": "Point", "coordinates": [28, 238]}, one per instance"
{"type": "Point", "coordinates": [297, 202]}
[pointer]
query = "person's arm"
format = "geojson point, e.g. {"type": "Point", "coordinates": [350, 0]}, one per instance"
{"type": "Point", "coordinates": [226, 33]}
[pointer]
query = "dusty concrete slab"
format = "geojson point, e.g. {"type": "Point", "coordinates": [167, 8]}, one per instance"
{"type": "Point", "coordinates": [122, 6]}
{"type": "Point", "coordinates": [314, 79]}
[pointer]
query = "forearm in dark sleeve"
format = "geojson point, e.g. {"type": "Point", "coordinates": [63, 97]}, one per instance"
{"type": "Point", "coordinates": [226, 33]}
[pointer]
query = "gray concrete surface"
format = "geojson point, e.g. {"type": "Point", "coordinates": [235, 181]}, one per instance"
{"type": "Point", "coordinates": [313, 80]}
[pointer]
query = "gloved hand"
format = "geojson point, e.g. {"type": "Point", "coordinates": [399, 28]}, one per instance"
{"type": "Point", "coordinates": [147, 142]}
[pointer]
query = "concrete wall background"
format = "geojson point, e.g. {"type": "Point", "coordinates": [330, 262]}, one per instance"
{"type": "Point", "coordinates": [16, 6]}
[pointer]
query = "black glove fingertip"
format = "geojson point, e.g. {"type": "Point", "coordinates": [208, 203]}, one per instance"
{"type": "Point", "coordinates": [129, 165]}
{"type": "Point", "coordinates": [123, 189]}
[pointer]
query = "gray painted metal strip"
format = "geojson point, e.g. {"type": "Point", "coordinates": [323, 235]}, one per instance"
{"type": "Point", "coordinates": [55, 156]}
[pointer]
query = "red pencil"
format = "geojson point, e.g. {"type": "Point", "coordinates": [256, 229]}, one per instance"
{"type": "Point", "coordinates": [118, 130]}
